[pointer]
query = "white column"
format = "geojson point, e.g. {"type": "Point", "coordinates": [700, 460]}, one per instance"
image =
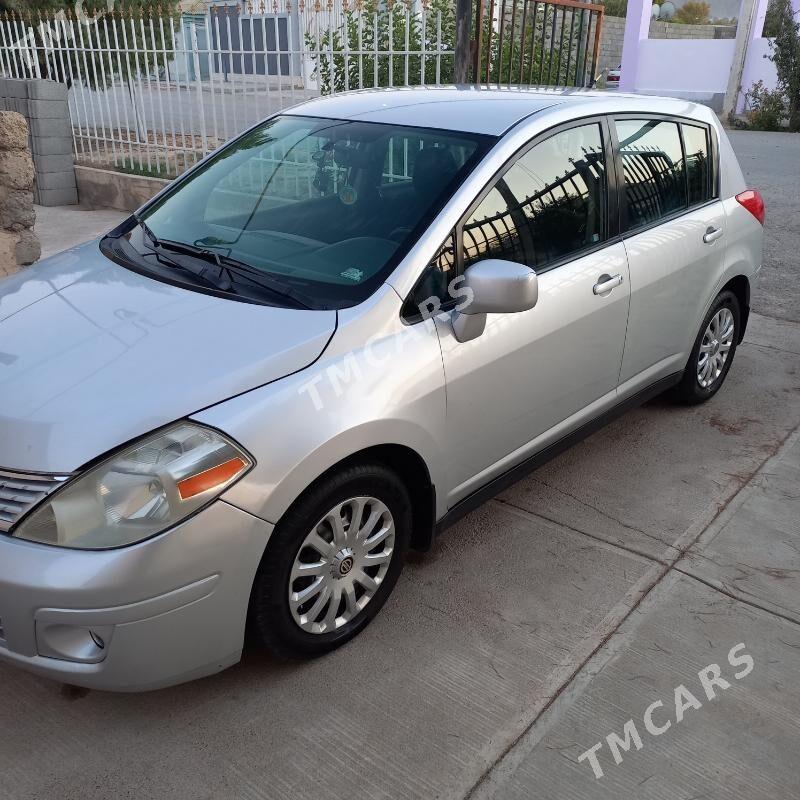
{"type": "Point", "coordinates": [637, 29]}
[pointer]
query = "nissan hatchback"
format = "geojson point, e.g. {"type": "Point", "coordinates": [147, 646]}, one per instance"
{"type": "Point", "coordinates": [328, 341]}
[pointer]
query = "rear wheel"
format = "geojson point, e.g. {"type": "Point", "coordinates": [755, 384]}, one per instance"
{"type": "Point", "coordinates": [713, 351]}
{"type": "Point", "coordinates": [332, 562]}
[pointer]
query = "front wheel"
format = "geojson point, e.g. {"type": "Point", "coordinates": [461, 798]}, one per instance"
{"type": "Point", "coordinates": [332, 562]}
{"type": "Point", "coordinates": [713, 351]}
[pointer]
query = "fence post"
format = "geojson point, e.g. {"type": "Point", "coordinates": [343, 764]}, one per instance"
{"type": "Point", "coordinates": [463, 41]}
{"type": "Point", "coordinates": [477, 44]}
{"type": "Point", "coordinates": [199, 86]}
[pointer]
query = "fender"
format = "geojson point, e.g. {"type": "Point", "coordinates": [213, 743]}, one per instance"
{"type": "Point", "coordinates": [362, 392]}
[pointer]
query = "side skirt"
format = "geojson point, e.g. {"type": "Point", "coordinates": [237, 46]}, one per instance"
{"type": "Point", "coordinates": [502, 482]}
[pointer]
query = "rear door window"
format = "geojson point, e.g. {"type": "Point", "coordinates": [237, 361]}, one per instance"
{"type": "Point", "coordinates": [654, 183]}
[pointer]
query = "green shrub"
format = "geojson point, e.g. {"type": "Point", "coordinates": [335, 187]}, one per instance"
{"type": "Point", "coordinates": [693, 13]}
{"type": "Point", "coordinates": [767, 109]}
{"type": "Point", "coordinates": [616, 8]}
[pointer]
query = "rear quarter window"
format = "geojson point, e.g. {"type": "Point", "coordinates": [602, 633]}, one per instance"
{"type": "Point", "coordinates": [698, 163]}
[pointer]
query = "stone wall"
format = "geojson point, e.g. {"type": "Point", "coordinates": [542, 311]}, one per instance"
{"type": "Point", "coordinates": [18, 243]}
{"type": "Point", "coordinates": [44, 104]}
{"type": "Point", "coordinates": [614, 35]}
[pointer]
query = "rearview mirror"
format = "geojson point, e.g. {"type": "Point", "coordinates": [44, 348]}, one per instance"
{"type": "Point", "coordinates": [497, 287]}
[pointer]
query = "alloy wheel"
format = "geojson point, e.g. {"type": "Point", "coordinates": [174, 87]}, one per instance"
{"type": "Point", "coordinates": [341, 564]}
{"type": "Point", "coordinates": [714, 349]}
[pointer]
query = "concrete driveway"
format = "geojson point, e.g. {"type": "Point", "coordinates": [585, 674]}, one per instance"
{"type": "Point", "coordinates": [536, 628]}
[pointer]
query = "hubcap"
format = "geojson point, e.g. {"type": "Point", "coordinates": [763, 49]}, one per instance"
{"type": "Point", "coordinates": [341, 564]}
{"type": "Point", "coordinates": [714, 348]}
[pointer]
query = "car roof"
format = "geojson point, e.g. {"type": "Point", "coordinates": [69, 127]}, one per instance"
{"type": "Point", "coordinates": [462, 108]}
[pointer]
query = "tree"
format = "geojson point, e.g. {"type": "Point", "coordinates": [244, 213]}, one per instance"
{"type": "Point", "coordinates": [41, 6]}
{"type": "Point", "coordinates": [786, 57]}
{"type": "Point", "coordinates": [772, 19]}
{"type": "Point", "coordinates": [616, 8]}
{"type": "Point", "coordinates": [693, 13]}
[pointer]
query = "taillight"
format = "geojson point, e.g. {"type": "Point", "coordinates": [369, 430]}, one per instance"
{"type": "Point", "coordinates": [753, 202]}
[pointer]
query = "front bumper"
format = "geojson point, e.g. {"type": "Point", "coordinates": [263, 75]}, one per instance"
{"type": "Point", "coordinates": [165, 611]}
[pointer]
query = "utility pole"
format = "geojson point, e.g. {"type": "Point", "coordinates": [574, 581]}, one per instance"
{"type": "Point", "coordinates": [463, 56]}
{"type": "Point", "coordinates": [744, 35]}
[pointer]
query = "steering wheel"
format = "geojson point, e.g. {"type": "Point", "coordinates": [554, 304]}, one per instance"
{"type": "Point", "coordinates": [398, 234]}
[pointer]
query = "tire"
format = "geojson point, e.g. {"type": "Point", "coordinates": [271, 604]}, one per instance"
{"type": "Point", "coordinates": [692, 390]}
{"type": "Point", "coordinates": [278, 620]}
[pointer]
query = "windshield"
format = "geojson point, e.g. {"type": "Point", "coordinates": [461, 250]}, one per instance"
{"type": "Point", "coordinates": [322, 207]}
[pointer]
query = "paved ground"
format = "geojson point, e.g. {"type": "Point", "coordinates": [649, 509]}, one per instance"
{"type": "Point", "coordinates": [62, 227]}
{"type": "Point", "coordinates": [771, 162]}
{"type": "Point", "coordinates": [536, 628]}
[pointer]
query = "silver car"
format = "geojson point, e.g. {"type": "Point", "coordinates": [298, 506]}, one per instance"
{"type": "Point", "coordinates": [328, 341]}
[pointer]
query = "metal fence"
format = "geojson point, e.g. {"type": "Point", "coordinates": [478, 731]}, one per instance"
{"type": "Point", "coordinates": [541, 42]}
{"type": "Point", "coordinates": [154, 93]}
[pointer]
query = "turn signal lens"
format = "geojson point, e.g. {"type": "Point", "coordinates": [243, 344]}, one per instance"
{"type": "Point", "coordinates": [753, 202]}
{"type": "Point", "coordinates": [211, 478]}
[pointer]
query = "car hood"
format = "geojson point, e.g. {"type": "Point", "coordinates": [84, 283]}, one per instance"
{"type": "Point", "coordinates": [93, 355]}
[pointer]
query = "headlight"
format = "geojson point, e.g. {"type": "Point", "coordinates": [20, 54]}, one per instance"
{"type": "Point", "coordinates": [138, 492]}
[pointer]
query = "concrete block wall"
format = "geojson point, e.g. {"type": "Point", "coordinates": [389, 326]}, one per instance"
{"type": "Point", "coordinates": [44, 105]}
{"type": "Point", "coordinates": [674, 30]}
{"type": "Point", "coordinates": [614, 35]}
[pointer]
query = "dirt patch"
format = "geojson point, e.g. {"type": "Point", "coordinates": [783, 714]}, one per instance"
{"type": "Point", "coordinates": [730, 427]}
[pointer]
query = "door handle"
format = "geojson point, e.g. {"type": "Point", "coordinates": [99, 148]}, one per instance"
{"type": "Point", "coordinates": [605, 283]}
{"type": "Point", "coordinates": [712, 234]}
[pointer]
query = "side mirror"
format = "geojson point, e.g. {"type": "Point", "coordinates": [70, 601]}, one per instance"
{"type": "Point", "coordinates": [498, 287]}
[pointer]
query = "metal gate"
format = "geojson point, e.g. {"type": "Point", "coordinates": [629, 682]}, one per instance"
{"type": "Point", "coordinates": [252, 44]}
{"type": "Point", "coordinates": [527, 42]}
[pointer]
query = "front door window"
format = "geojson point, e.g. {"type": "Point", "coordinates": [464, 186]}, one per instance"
{"type": "Point", "coordinates": [551, 204]}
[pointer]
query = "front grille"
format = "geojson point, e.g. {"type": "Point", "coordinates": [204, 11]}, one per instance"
{"type": "Point", "coordinates": [19, 492]}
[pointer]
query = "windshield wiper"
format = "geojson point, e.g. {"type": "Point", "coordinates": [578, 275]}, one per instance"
{"type": "Point", "coordinates": [233, 268]}
{"type": "Point", "coordinates": [147, 229]}
{"type": "Point", "coordinates": [222, 281]}
{"type": "Point", "coordinates": [201, 275]}
{"type": "Point", "coordinates": [229, 268]}
{"type": "Point", "coordinates": [260, 279]}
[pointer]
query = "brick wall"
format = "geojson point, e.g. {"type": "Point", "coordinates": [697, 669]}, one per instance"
{"type": "Point", "coordinates": [614, 35]}
{"type": "Point", "coordinates": [44, 106]}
